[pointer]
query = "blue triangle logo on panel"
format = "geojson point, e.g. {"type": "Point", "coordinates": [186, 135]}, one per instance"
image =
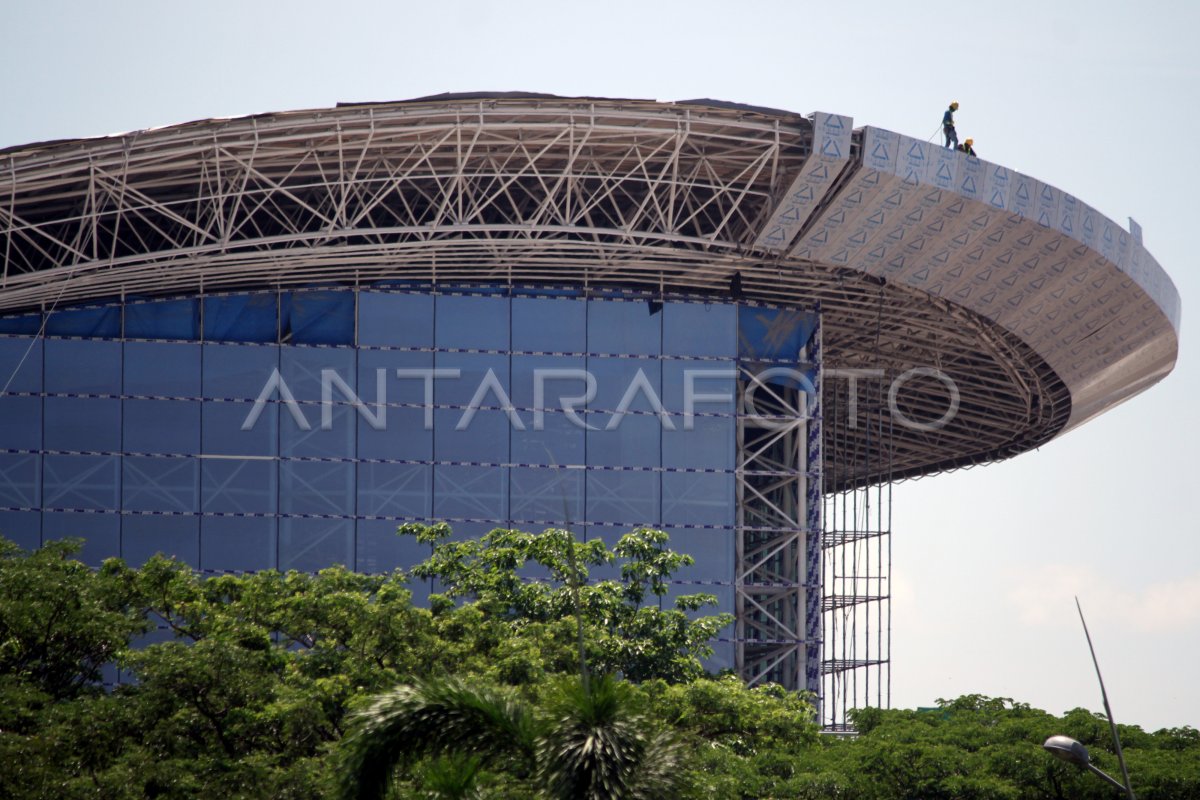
{"type": "Point", "coordinates": [821, 173]}
{"type": "Point", "coordinates": [969, 185]}
{"type": "Point", "coordinates": [944, 172]}
{"type": "Point", "coordinates": [833, 122]}
{"type": "Point", "coordinates": [830, 149]}
{"type": "Point", "coordinates": [916, 152]}
{"type": "Point", "coordinates": [880, 152]}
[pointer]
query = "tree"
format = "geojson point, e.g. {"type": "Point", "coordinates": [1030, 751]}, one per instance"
{"type": "Point", "coordinates": [581, 743]}
{"type": "Point", "coordinates": [627, 630]}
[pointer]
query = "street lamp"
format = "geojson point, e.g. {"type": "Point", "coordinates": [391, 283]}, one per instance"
{"type": "Point", "coordinates": [1068, 749]}
{"type": "Point", "coordinates": [1073, 752]}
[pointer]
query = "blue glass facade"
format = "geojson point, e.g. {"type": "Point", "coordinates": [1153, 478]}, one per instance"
{"type": "Point", "coordinates": [296, 430]}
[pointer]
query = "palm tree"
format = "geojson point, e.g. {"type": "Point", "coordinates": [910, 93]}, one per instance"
{"type": "Point", "coordinates": [585, 742]}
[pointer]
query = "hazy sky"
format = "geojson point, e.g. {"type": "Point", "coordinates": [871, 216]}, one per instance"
{"type": "Point", "coordinates": [1098, 98]}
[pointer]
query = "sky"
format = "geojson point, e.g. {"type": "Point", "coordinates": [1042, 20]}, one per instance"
{"type": "Point", "coordinates": [1096, 98]}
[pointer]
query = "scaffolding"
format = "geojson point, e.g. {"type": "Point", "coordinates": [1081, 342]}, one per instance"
{"type": "Point", "coordinates": [777, 589]}
{"type": "Point", "coordinates": [856, 548]}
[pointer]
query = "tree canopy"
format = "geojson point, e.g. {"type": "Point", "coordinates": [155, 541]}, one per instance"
{"type": "Point", "coordinates": [248, 686]}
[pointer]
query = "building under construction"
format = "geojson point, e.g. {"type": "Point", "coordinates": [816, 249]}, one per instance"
{"type": "Point", "coordinates": [265, 342]}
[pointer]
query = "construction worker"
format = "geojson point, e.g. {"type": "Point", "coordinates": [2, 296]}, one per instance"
{"type": "Point", "coordinates": [948, 125]}
{"type": "Point", "coordinates": [966, 147]}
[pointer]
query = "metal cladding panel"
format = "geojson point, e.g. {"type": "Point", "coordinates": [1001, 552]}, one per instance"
{"type": "Point", "coordinates": [1090, 224]}
{"type": "Point", "coordinates": [1068, 215]}
{"type": "Point", "coordinates": [971, 178]}
{"type": "Point", "coordinates": [1023, 197]}
{"type": "Point", "coordinates": [942, 168]}
{"type": "Point", "coordinates": [830, 154]}
{"type": "Point", "coordinates": [1048, 200]}
{"type": "Point", "coordinates": [997, 186]}
{"type": "Point", "coordinates": [861, 208]}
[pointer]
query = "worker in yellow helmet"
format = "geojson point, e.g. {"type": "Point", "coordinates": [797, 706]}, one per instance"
{"type": "Point", "coordinates": [948, 125]}
{"type": "Point", "coordinates": [967, 147]}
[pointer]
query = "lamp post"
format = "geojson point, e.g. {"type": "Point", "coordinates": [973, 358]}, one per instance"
{"type": "Point", "coordinates": [1073, 752]}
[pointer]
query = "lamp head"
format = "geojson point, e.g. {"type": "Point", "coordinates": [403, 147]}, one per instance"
{"type": "Point", "coordinates": [1068, 750]}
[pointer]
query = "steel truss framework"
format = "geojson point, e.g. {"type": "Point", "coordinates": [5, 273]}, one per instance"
{"type": "Point", "coordinates": [499, 191]}
{"type": "Point", "coordinates": [778, 637]}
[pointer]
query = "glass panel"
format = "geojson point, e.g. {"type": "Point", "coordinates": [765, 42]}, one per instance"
{"type": "Point", "coordinates": [560, 442]}
{"type": "Point", "coordinates": [484, 439]}
{"type": "Point", "coordinates": [239, 486]}
{"type": "Point", "coordinates": [398, 320]}
{"type": "Point", "coordinates": [474, 322]}
{"type": "Point", "coordinates": [163, 319]}
{"type": "Point", "coordinates": [309, 545]}
{"type": "Point", "coordinates": [561, 378]}
{"type": "Point", "coordinates": [381, 549]}
{"type": "Point", "coordinates": [549, 325]}
{"type": "Point", "coordinates": [773, 334]}
{"type": "Point", "coordinates": [22, 324]}
{"type": "Point", "coordinates": [625, 497]}
{"type": "Point", "coordinates": [222, 432]}
{"type": "Point", "coordinates": [20, 481]}
{"type": "Point", "coordinates": [641, 379]}
{"type": "Point", "coordinates": [143, 535]}
{"type": "Point", "coordinates": [21, 423]}
{"type": "Point", "coordinates": [713, 386]}
{"type": "Point", "coordinates": [232, 371]}
{"type": "Point", "coordinates": [474, 369]}
{"type": "Point", "coordinates": [104, 321]}
{"type": "Point", "coordinates": [81, 482]}
{"type": "Point", "coordinates": [237, 544]}
{"type": "Point", "coordinates": [398, 491]}
{"type": "Point", "coordinates": [401, 433]}
{"type": "Point", "coordinates": [473, 499]}
{"type": "Point", "coordinates": [21, 363]}
{"type": "Point", "coordinates": [699, 329]}
{"type": "Point", "coordinates": [83, 424]}
{"type": "Point", "coordinates": [170, 369]}
{"type": "Point", "coordinates": [713, 574]}
{"type": "Point", "coordinates": [318, 317]}
{"type": "Point", "coordinates": [697, 498]}
{"type": "Point", "coordinates": [317, 488]}
{"type": "Point", "coordinates": [710, 444]}
{"type": "Point", "coordinates": [21, 417]}
{"type": "Point", "coordinates": [23, 528]}
{"type": "Point", "coordinates": [331, 428]}
{"type": "Point", "coordinates": [83, 366]}
{"type": "Point", "coordinates": [101, 533]}
{"type": "Point", "coordinates": [162, 426]}
{"type": "Point", "coordinates": [242, 318]}
{"type": "Point", "coordinates": [545, 497]}
{"type": "Point", "coordinates": [623, 328]}
{"type": "Point", "coordinates": [634, 442]}
{"type": "Point", "coordinates": [149, 483]}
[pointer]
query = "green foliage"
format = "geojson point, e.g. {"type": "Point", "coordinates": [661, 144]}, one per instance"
{"type": "Point", "coordinates": [243, 686]}
{"type": "Point", "coordinates": [623, 633]}
{"type": "Point", "coordinates": [580, 742]}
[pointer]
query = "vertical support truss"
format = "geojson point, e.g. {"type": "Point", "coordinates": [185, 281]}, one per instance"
{"type": "Point", "coordinates": [778, 555]}
{"type": "Point", "coordinates": [856, 555]}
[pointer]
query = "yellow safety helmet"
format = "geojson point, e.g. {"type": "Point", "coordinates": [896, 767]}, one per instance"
{"type": "Point", "coordinates": [954, 106]}
{"type": "Point", "coordinates": [969, 142]}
